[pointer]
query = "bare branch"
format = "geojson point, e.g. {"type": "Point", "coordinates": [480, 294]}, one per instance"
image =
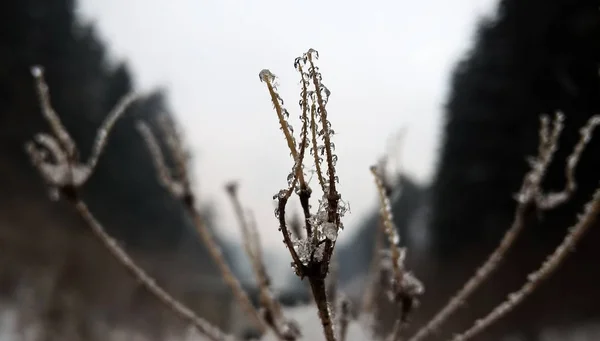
{"type": "Point", "coordinates": [165, 177]}
{"type": "Point", "coordinates": [283, 328]}
{"type": "Point", "coordinates": [529, 195]}
{"type": "Point", "coordinates": [551, 200]}
{"type": "Point", "coordinates": [107, 125]}
{"type": "Point", "coordinates": [181, 156]}
{"type": "Point", "coordinates": [402, 287]}
{"type": "Point", "coordinates": [368, 299]}
{"type": "Point", "coordinates": [311, 256]}
{"type": "Point", "coordinates": [180, 188]}
{"type": "Point", "coordinates": [68, 174]}
{"type": "Point", "coordinates": [576, 232]}
{"type": "Point", "coordinates": [185, 313]}
{"type": "Point", "coordinates": [64, 167]}
{"type": "Point", "coordinates": [61, 134]}
{"type": "Point", "coordinates": [315, 144]}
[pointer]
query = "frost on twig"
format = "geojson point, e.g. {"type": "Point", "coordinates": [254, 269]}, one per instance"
{"type": "Point", "coordinates": [529, 196]}
{"type": "Point", "coordinates": [55, 155]}
{"type": "Point", "coordinates": [57, 160]}
{"type": "Point", "coordinates": [311, 255]}
{"type": "Point", "coordinates": [178, 183]}
{"type": "Point", "coordinates": [551, 264]}
{"type": "Point", "coordinates": [177, 187]}
{"type": "Point", "coordinates": [401, 286]}
{"type": "Point", "coordinates": [284, 329]}
{"type": "Point", "coordinates": [390, 184]}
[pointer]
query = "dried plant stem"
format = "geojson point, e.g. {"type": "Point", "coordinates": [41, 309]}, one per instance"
{"type": "Point", "coordinates": [368, 300]}
{"type": "Point", "coordinates": [331, 193]}
{"type": "Point", "coordinates": [315, 145]}
{"type": "Point", "coordinates": [106, 127]}
{"type": "Point", "coordinates": [180, 188]}
{"type": "Point", "coordinates": [529, 195]}
{"type": "Point", "coordinates": [282, 116]}
{"type": "Point", "coordinates": [369, 296]}
{"type": "Point", "coordinates": [281, 204]}
{"type": "Point", "coordinates": [253, 249]}
{"type": "Point", "coordinates": [228, 276]}
{"type": "Point", "coordinates": [388, 226]}
{"type": "Point", "coordinates": [43, 92]}
{"type": "Point", "coordinates": [552, 262]}
{"type": "Point", "coordinates": [320, 235]}
{"type": "Point", "coordinates": [403, 288]}
{"type": "Point", "coordinates": [203, 326]}
{"type": "Point", "coordinates": [304, 192]}
{"type": "Point", "coordinates": [320, 293]}
{"type": "Point", "coordinates": [65, 172]}
{"type": "Point", "coordinates": [477, 279]}
{"type": "Point", "coordinates": [315, 279]}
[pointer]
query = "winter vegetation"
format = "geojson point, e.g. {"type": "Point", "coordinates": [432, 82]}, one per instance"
{"type": "Point", "coordinates": [311, 242]}
{"type": "Point", "coordinates": [515, 200]}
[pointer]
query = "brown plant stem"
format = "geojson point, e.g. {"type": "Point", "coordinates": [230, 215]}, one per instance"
{"type": "Point", "coordinates": [185, 313]}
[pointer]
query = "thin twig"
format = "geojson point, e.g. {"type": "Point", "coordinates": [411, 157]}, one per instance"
{"type": "Point", "coordinates": [185, 313]}
{"type": "Point", "coordinates": [180, 188]}
{"type": "Point", "coordinates": [284, 329]}
{"type": "Point", "coordinates": [65, 172]}
{"type": "Point", "coordinates": [529, 194]}
{"type": "Point", "coordinates": [403, 287]}
{"type": "Point", "coordinates": [313, 257]}
{"type": "Point", "coordinates": [552, 262]}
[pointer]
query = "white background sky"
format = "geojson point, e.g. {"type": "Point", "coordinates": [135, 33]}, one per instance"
{"type": "Point", "coordinates": [386, 62]}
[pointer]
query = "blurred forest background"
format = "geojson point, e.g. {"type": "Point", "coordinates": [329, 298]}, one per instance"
{"type": "Point", "coordinates": [57, 283]}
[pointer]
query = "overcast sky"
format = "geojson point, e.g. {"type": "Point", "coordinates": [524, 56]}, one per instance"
{"type": "Point", "coordinates": [386, 63]}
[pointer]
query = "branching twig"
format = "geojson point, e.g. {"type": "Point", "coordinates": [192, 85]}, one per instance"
{"type": "Point", "coordinates": [66, 170]}
{"type": "Point", "coordinates": [529, 195]}
{"type": "Point", "coordinates": [304, 192]}
{"type": "Point", "coordinates": [283, 328]}
{"type": "Point", "coordinates": [185, 313]}
{"type": "Point", "coordinates": [311, 256]}
{"type": "Point", "coordinates": [368, 299]}
{"type": "Point", "coordinates": [402, 287]}
{"type": "Point", "coordinates": [576, 232]}
{"type": "Point", "coordinates": [180, 188]}
{"type": "Point", "coordinates": [56, 158]}
{"type": "Point", "coordinates": [65, 173]}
